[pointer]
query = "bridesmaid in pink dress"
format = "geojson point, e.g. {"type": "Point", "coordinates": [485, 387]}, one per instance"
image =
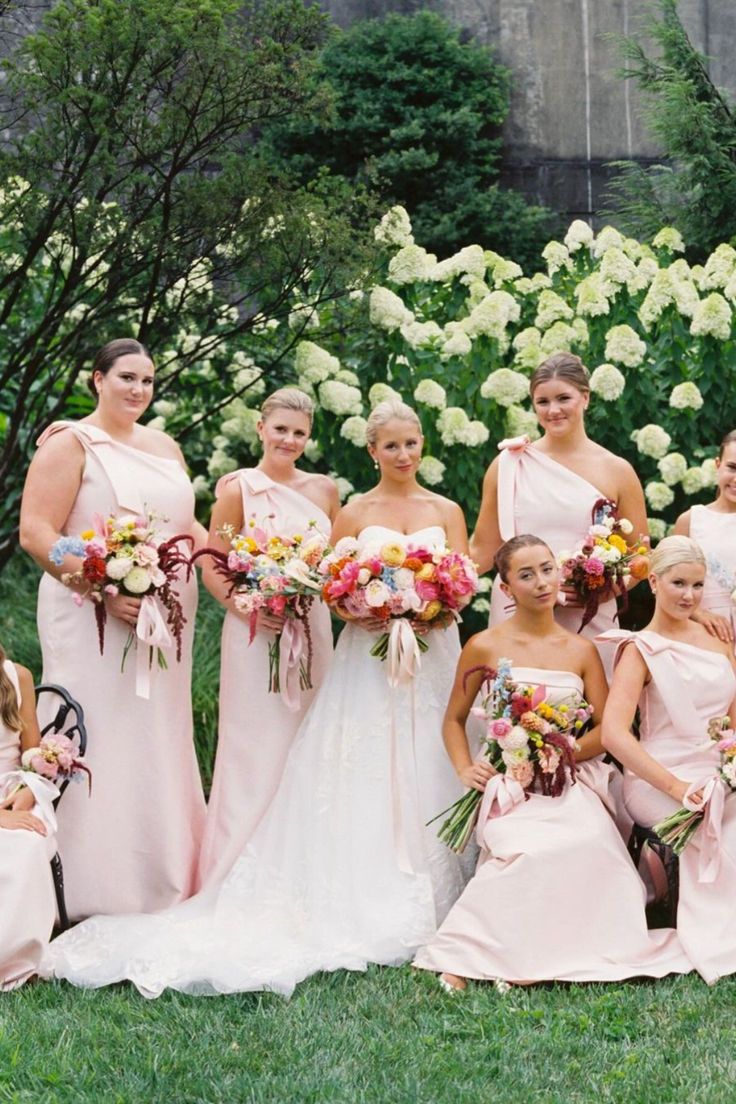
{"type": "Point", "coordinates": [550, 486]}
{"type": "Point", "coordinates": [27, 842]}
{"type": "Point", "coordinates": [133, 846]}
{"type": "Point", "coordinates": [257, 727]}
{"type": "Point", "coordinates": [714, 528]}
{"type": "Point", "coordinates": [681, 677]}
{"type": "Point", "coordinates": [555, 896]}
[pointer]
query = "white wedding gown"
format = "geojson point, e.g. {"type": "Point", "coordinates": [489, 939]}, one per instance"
{"type": "Point", "coordinates": [342, 870]}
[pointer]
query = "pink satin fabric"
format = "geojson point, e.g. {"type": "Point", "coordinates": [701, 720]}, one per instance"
{"type": "Point", "coordinates": [133, 845]}
{"type": "Point", "coordinates": [538, 495]}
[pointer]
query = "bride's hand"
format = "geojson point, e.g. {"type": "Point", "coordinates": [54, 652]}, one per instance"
{"type": "Point", "coordinates": [373, 624]}
{"type": "Point", "coordinates": [123, 607]}
{"type": "Point", "coordinates": [476, 775]}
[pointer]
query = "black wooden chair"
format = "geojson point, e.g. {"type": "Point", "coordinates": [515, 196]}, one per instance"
{"type": "Point", "coordinates": [68, 720]}
{"type": "Point", "coordinates": [662, 912]}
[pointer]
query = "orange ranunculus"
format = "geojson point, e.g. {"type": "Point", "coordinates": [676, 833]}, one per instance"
{"type": "Point", "coordinates": [413, 563]}
{"type": "Point", "coordinates": [639, 567]}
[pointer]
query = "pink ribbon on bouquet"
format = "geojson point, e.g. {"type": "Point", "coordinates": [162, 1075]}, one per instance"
{"type": "Point", "coordinates": [502, 794]}
{"type": "Point", "coordinates": [291, 650]}
{"type": "Point", "coordinates": [403, 656]}
{"type": "Point", "coordinates": [714, 799]}
{"type": "Point", "coordinates": [151, 630]}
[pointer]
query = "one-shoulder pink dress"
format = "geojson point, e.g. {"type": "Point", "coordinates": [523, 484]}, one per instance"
{"type": "Point", "coordinates": [27, 902]}
{"type": "Point", "coordinates": [257, 727]}
{"type": "Point", "coordinates": [555, 896]}
{"type": "Point", "coordinates": [715, 532]}
{"type": "Point", "coordinates": [689, 686]}
{"type": "Point", "coordinates": [538, 495]}
{"type": "Point", "coordinates": [133, 845]}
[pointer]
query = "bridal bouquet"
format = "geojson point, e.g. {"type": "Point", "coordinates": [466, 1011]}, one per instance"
{"type": "Point", "coordinates": [603, 563]}
{"type": "Point", "coordinates": [124, 555]}
{"type": "Point", "coordinates": [403, 586]}
{"type": "Point", "coordinates": [679, 827]}
{"type": "Point", "coordinates": [528, 741]}
{"type": "Point", "coordinates": [56, 758]}
{"type": "Point", "coordinates": [278, 574]}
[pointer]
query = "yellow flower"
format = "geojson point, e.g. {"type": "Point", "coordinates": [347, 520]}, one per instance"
{"type": "Point", "coordinates": [88, 534]}
{"type": "Point", "coordinates": [431, 611]}
{"type": "Point", "coordinates": [641, 550]}
{"type": "Point", "coordinates": [618, 542]}
{"type": "Point", "coordinates": [426, 572]}
{"type": "Point", "coordinates": [392, 554]}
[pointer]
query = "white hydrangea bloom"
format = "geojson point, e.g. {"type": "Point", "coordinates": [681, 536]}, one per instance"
{"type": "Point", "coordinates": [505, 387]}
{"type": "Point", "coordinates": [608, 238]}
{"type": "Point", "coordinates": [484, 584]}
{"type": "Point", "coordinates": [421, 335]}
{"type": "Point", "coordinates": [457, 342]}
{"type": "Point", "coordinates": [579, 234]}
{"type": "Point", "coordinates": [313, 363]}
{"type": "Point", "coordinates": [692, 481]}
{"type": "Point", "coordinates": [353, 429]}
{"type": "Point", "coordinates": [616, 268]}
{"type": "Point", "coordinates": [669, 238]}
{"type": "Point", "coordinates": [672, 468]}
{"type": "Point", "coordinates": [475, 433]}
{"type": "Point", "coordinates": [652, 440]}
{"type": "Point", "coordinates": [381, 392]}
{"type": "Point", "coordinates": [730, 289]}
{"type": "Point", "coordinates": [394, 228]}
{"type": "Point", "coordinates": [520, 421]}
{"type": "Point", "coordinates": [633, 249]}
{"type": "Point", "coordinates": [157, 423]}
{"type": "Point", "coordinates": [492, 315]}
{"type": "Point", "coordinates": [686, 396]}
{"type": "Point", "coordinates": [712, 317]}
{"type": "Point", "coordinates": [659, 296]}
{"type": "Point", "coordinates": [719, 267]}
{"type": "Point", "coordinates": [580, 327]}
{"type": "Point", "coordinates": [709, 472]}
{"type": "Point", "coordinates": [431, 471]}
{"type": "Point", "coordinates": [541, 280]}
{"type": "Point", "coordinates": [528, 336]}
{"type": "Point", "coordinates": [624, 346]}
{"type": "Point", "coordinates": [608, 382]}
{"type": "Point", "coordinates": [698, 274]}
{"type": "Point", "coordinates": [346, 375]}
{"type": "Point", "coordinates": [312, 451]}
{"type": "Point", "coordinates": [657, 528]}
{"type": "Point", "coordinates": [659, 495]}
{"type": "Point", "coordinates": [531, 356]}
{"type": "Point", "coordinates": [344, 486]}
{"type": "Point", "coordinates": [165, 408]}
{"type": "Point", "coordinates": [410, 264]}
{"type": "Point", "coordinates": [200, 486]}
{"type": "Point", "coordinates": [557, 256]}
{"type": "Point", "coordinates": [551, 308]}
{"type": "Point", "coordinates": [451, 424]}
{"type": "Point", "coordinates": [524, 286]}
{"type": "Point", "coordinates": [303, 317]}
{"type": "Point", "coordinates": [477, 291]}
{"type": "Point", "coordinates": [559, 338]}
{"type": "Point", "coordinates": [220, 464]}
{"type": "Point", "coordinates": [646, 270]}
{"type": "Point", "coordinates": [340, 398]}
{"type": "Point", "coordinates": [506, 272]}
{"type": "Point", "coordinates": [387, 310]}
{"type": "Point", "coordinates": [469, 261]}
{"type": "Point", "coordinates": [591, 296]}
{"type": "Point", "coordinates": [251, 380]}
{"type": "Point", "coordinates": [686, 297]}
{"type": "Point", "coordinates": [430, 393]}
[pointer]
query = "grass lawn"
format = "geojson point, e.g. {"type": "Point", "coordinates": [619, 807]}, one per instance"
{"type": "Point", "coordinates": [385, 1036]}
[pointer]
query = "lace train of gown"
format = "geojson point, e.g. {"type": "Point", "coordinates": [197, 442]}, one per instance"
{"type": "Point", "coordinates": [341, 870]}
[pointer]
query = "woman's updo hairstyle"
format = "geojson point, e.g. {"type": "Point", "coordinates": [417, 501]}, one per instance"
{"type": "Point", "coordinates": [564, 366]}
{"type": "Point", "coordinates": [384, 412]}
{"type": "Point", "coordinates": [729, 439]}
{"type": "Point", "coordinates": [288, 398]}
{"type": "Point", "coordinates": [502, 559]}
{"type": "Point", "coordinates": [108, 354]}
{"type": "Point", "coordinates": [675, 550]}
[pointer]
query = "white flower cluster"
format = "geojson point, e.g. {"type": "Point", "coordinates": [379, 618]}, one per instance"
{"type": "Point", "coordinates": [652, 440]}
{"type": "Point", "coordinates": [394, 228]}
{"type": "Point", "coordinates": [692, 481]}
{"type": "Point", "coordinates": [551, 308]}
{"type": "Point", "coordinates": [520, 421]}
{"type": "Point", "coordinates": [381, 392]}
{"type": "Point", "coordinates": [712, 318]}
{"type": "Point", "coordinates": [456, 428]}
{"type": "Point", "coordinates": [457, 342]}
{"type": "Point", "coordinates": [527, 344]}
{"type": "Point", "coordinates": [492, 315]}
{"type": "Point", "coordinates": [592, 296]}
{"type": "Point", "coordinates": [430, 393]}
{"type": "Point", "coordinates": [709, 471]}
{"type": "Point", "coordinates": [669, 238]}
{"type": "Point", "coordinates": [505, 272]}
{"type": "Point", "coordinates": [410, 264]}
{"type": "Point", "coordinates": [557, 256]}
{"type": "Point", "coordinates": [340, 398]}
{"type": "Point", "coordinates": [387, 310]}
{"type": "Point", "coordinates": [616, 268]}
{"type": "Point", "coordinates": [431, 471]}
{"type": "Point", "coordinates": [624, 346]}
{"type": "Point", "coordinates": [422, 335]}
{"type": "Point", "coordinates": [579, 234]}
{"type": "Point", "coordinates": [672, 468]}
{"type": "Point", "coordinates": [314, 364]}
{"type": "Point", "coordinates": [505, 387]}
{"type": "Point", "coordinates": [719, 268]}
{"type": "Point", "coordinates": [608, 382]}
{"type": "Point", "coordinates": [353, 429]}
{"type": "Point", "coordinates": [659, 495]}
{"type": "Point", "coordinates": [607, 238]}
{"type": "Point", "coordinates": [469, 261]}
{"type": "Point", "coordinates": [686, 396]}
{"type": "Point", "coordinates": [657, 528]}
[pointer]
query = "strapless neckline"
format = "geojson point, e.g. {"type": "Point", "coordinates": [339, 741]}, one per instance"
{"type": "Point", "coordinates": [546, 677]}
{"type": "Point", "coordinates": [434, 529]}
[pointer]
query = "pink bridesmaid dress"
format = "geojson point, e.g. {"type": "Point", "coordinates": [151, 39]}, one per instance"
{"type": "Point", "coordinates": [257, 727]}
{"type": "Point", "coordinates": [716, 534]}
{"type": "Point", "coordinates": [538, 495]}
{"type": "Point", "coordinates": [28, 906]}
{"type": "Point", "coordinates": [555, 896]}
{"type": "Point", "coordinates": [689, 686]}
{"type": "Point", "coordinates": [133, 845]}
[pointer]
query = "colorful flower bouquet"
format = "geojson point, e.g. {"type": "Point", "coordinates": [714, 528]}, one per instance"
{"type": "Point", "coordinates": [403, 586]}
{"type": "Point", "coordinates": [278, 574]}
{"type": "Point", "coordinates": [56, 758]}
{"type": "Point", "coordinates": [679, 827]}
{"type": "Point", "coordinates": [601, 566]}
{"type": "Point", "coordinates": [527, 740]}
{"type": "Point", "coordinates": [123, 555]}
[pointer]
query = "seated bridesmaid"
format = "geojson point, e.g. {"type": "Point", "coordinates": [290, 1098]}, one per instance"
{"type": "Point", "coordinates": [681, 677]}
{"type": "Point", "coordinates": [555, 895]}
{"type": "Point", "coordinates": [27, 842]}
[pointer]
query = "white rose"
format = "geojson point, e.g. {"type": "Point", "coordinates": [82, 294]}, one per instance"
{"type": "Point", "coordinates": [138, 580]}
{"type": "Point", "coordinates": [118, 567]}
{"type": "Point", "coordinates": [345, 547]}
{"type": "Point", "coordinates": [363, 575]}
{"type": "Point", "coordinates": [377, 594]}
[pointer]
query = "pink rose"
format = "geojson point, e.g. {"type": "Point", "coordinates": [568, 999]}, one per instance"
{"type": "Point", "coordinates": [594, 566]}
{"type": "Point", "coordinates": [522, 772]}
{"type": "Point", "coordinates": [499, 728]}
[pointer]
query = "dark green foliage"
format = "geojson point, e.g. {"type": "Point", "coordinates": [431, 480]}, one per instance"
{"type": "Point", "coordinates": [695, 123]}
{"type": "Point", "coordinates": [417, 112]}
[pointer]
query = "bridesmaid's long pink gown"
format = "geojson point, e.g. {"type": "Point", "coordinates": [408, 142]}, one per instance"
{"type": "Point", "coordinates": [555, 896]}
{"type": "Point", "coordinates": [538, 495]}
{"type": "Point", "coordinates": [27, 902]}
{"type": "Point", "coordinates": [133, 845]}
{"type": "Point", "coordinates": [716, 534]}
{"type": "Point", "coordinates": [690, 686]}
{"type": "Point", "coordinates": [256, 727]}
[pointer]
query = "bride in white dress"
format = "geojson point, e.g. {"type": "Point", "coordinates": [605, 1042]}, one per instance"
{"type": "Point", "coordinates": [342, 870]}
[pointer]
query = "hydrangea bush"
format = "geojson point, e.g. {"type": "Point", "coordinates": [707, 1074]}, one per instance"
{"type": "Point", "coordinates": [459, 338]}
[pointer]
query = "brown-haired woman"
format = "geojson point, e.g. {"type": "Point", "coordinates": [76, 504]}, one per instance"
{"type": "Point", "coordinates": [550, 486]}
{"type": "Point", "coordinates": [714, 528]}
{"type": "Point", "coordinates": [132, 845]}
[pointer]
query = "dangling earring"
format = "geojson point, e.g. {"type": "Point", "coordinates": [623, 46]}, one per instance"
{"type": "Point", "coordinates": [375, 464]}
